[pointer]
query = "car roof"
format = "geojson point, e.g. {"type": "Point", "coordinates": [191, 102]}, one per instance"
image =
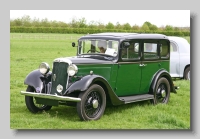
{"type": "Point", "coordinates": [181, 42]}
{"type": "Point", "coordinates": [111, 35]}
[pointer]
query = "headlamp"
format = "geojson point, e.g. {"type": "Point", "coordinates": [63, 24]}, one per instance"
{"type": "Point", "coordinates": [72, 70]}
{"type": "Point", "coordinates": [44, 68]}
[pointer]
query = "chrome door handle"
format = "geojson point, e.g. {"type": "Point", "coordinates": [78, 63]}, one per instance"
{"type": "Point", "coordinates": [142, 65]}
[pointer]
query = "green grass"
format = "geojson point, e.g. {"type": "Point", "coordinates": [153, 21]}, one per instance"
{"type": "Point", "coordinates": [26, 54]}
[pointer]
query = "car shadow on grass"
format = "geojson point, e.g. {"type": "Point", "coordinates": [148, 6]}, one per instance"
{"type": "Point", "coordinates": [69, 113]}
{"type": "Point", "coordinates": [110, 109]}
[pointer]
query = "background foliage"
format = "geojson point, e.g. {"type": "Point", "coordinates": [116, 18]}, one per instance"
{"type": "Point", "coordinates": [80, 26]}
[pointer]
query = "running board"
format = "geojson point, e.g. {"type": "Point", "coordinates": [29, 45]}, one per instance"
{"type": "Point", "coordinates": [130, 99]}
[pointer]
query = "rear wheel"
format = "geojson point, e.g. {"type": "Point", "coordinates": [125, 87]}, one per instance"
{"type": "Point", "coordinates": [162, 91]}
{"type": "Point", "coordinates": [92, 104]}
{"type": "Point", "coordinates": [187, 73]}
{"type": "Point", "coordinates": [32, 105]}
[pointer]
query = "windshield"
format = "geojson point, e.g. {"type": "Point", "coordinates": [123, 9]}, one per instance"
{"type": "Point", "coordinates": [97, 46]}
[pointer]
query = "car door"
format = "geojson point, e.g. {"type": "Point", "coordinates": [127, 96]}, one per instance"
{"type": "Point", "coordinates": [150, 63]}
{"type": "Point", "coordinates": [129, 70]}
{"type": "Point", "coordinates": [174, 60]}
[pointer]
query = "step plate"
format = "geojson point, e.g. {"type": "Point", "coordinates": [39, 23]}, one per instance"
{"type": "Point", "coordinates": [130, 99]}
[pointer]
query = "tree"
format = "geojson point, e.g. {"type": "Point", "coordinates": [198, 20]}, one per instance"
{"type": "Point", "coordinates": [100, 25]}
{"type": "Point", "coordinates": [82, 23]}
{"type": "Point", "coordinates": [177, 29]}
{"type": "Point", "coordinates": [153, 27]}
{"type": "Point", "coordinates": [118, 26]}
{"type": "Point", "coordinates": [45, 23]}
{"type": "Point", "coordinates": [74, 23]}
{"type": "Point", "coordinates": [135, 27]}
{"type": "Point", "coordinates": [145, 27]}
{"type": "Point", "coordinates": [110, 26]}
{"type": "Point", "coordinates": [26, 21]}
{"type": "Point", "coordinates": [148, 23]}
{"type": "Point", "coordinates": [169, 28]}
{"type": "Point", "coordinates": [127, 26]}
{"type": "Point", "coordinates": [36, 22]}
{"type": "Point", "coordinates": [16, 22]}
{"type": "Point", "coordinates": [93, 25]}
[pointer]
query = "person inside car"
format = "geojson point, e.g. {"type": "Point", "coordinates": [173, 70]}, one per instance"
{"type": "Point", "coordinates": [102, 45]}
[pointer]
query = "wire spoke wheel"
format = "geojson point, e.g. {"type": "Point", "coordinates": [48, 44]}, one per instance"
{"type": "Point", "coordinates": [162, 91]}
{"type": "Point", "coordinates": [93, 103]}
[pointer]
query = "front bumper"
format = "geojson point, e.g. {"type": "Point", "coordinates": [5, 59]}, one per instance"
{"type": "Point", "coordinates": [48, 96]}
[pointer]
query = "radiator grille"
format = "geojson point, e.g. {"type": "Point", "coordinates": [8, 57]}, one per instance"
{"type": "Point", "coordinates": [59, 76]}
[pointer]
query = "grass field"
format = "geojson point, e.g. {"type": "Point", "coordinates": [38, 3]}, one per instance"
{"type": "Point", "coordinates": [26, 53]}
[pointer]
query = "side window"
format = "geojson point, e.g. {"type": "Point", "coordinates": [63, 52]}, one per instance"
{"type": "Point", "coordinates": [164, 50]}
{"type": "Point", "coordinates": [150, 50]}
{"type": "Point", "coordinates": [173, 47]}
{"type": "Point", "coordinates": [132, 52]}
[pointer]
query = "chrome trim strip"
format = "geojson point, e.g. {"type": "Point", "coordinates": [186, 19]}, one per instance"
{"type": "Point", "coordinates": [48, 96]}
{"type": "Point", "coordinates": [140, 61]}
{"type": "Point", "coordinates": [96, 63]}
{"type": "Point", "coordinates": [65, 60]}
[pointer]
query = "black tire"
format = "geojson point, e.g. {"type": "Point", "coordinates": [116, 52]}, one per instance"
{"type": "Point", "coordinates": [162, 91]}
{"type": "Point", "coordinates": [31, 105]}
{"type": "Point", "coordinates": [92, 104]}
{"type": "Point", "coordinates": [187, 73]}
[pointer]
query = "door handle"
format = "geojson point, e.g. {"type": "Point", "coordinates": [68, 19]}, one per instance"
{"type": "Point", "coordinates": [142, 65]}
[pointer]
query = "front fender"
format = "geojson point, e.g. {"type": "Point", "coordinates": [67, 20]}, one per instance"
{"type": "Point", "coordinates": [162, 73]}
{"type": "Point", "coordinates": [85, 82]}
{"type": "Point", "coordinates": [36, 80]}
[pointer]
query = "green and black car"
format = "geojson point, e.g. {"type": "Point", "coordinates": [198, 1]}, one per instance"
{"type": "Point", "coordinates": [133, 67]}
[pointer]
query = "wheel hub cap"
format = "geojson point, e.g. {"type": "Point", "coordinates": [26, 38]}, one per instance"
{"type": "Point", "coordinates": [95, 103]}
{"type": "Point", "coordinates": [163, 93]}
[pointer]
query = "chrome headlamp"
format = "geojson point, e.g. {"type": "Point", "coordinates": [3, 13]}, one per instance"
{"type": "Point", "coordinates": [44, 68]}
{"type": "Point", "coordinates": [72, 70]}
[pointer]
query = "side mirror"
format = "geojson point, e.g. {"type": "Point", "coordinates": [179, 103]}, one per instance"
{"type": "Point", "coordinates": [73, 44]}
{"type": "Point", "coordinates": [125, 44]}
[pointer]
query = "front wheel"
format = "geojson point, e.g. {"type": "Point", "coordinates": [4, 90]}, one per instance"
{"type": "Point", "coordinates": [92, 104]}
{"type": "Point", "coordinates": [31, 104]}
{"type": "Point", "coordinates": [162, 91]}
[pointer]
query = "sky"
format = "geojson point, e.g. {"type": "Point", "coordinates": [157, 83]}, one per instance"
{"type": "Point", "coordinates": [176, 18]}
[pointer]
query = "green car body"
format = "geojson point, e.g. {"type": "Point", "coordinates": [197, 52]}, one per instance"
{"type": "Point", "coordinates": [125, 72]}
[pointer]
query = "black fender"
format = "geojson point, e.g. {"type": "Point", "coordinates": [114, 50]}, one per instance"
{"type": "Point", "coordinates": [85, 82]}
{"type": "Point", "coordinates": [37, 80]}
{"type": "Point", "coordinates": [162, 73]}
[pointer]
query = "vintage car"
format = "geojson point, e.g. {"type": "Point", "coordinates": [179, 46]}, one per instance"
{"type": "Point", "coordinates": [116, 68]}
{"type": "Point", "coordinates": [180, 58]}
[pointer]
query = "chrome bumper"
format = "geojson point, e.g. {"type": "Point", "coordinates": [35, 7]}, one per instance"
{"type": "Point", "coordinates": [48, 96]}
